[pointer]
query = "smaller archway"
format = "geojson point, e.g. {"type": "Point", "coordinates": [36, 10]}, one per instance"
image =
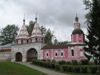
{"type": "Point", "coordinates": [18, 57]}
{"type": "Point", "coordinates": [31, 54]}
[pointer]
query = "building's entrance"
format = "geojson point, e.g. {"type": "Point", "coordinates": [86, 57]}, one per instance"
{"type": "Point", "coordinates": [31, 54]}
{"type": "Point", "coordinates": [19, 57]}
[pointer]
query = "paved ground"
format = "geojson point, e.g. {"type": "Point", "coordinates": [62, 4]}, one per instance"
{"type": "Point", "coordinates": [49, 72]}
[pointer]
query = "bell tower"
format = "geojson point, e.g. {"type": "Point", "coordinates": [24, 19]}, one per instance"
{"type": "Point", "coordinates": [77, 36]}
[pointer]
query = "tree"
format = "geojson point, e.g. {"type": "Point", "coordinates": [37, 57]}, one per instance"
{"type": "Point", "coordinates": [8, 34]}
{"type": "Point", "coordinates": [93, 43]}
{"type": "Point", "coordinates": [55, 41]}
{"type": "Point", "coordinates": [48, 37]}
{"type": "Point", "coordinates": [30, 27]}
{"type": "Point", "coordinates": [43, 30]}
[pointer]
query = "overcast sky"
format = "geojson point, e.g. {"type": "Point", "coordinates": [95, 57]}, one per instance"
{"type": "Point", "coordinates": [58, 15]}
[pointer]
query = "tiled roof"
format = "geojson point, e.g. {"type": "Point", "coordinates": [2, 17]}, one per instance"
{"type": "Point", "coordinates": [60, 46]}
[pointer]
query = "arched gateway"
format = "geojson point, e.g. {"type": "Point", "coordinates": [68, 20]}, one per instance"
{"type": "Point", "coordinates": [18, 57]}
{"type": "Point", "coordinates": [31, 54]}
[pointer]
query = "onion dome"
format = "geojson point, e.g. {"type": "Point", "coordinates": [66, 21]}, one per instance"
{"type": "Point", "coordinates": [77, 31]}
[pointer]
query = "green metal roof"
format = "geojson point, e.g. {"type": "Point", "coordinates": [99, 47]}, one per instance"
{"type": "Point", "coordinates": [77, 31]}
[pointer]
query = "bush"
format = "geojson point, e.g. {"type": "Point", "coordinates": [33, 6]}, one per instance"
{"type": "Point", "coordinates": [95, 61]}
{"type": "Point", "coordinates": [83, 69]}
{"type": "Point", "coordinates": [76, 69]}
{"type": "Point", "coordinates": [68, 63]}
{"type": "Point", "coordinates": [52, 65]}
{"type": "Point", "coordinates": [70, 68]}
{"type": "Point", "coordinates": [64, 68]}
{"type": "Point", "coordinates": [84, 61]}
{"type": "Point", "coordinates": [53, 61]}
{"type": "Point", "coordinates": [41, 63]}
{"type": "Point", "coordinates": [62, 62]}
{"type": "Point", "coordinates": [93, 69]}
{"type": "Point", "coordinates": [48, 60]}
{"type": "Point", "coordinates": [74, 62]}
{"type": "Point", "coordinates": [57, 67]}
{"type": "Point", "coordinates": [99, 68]}
{"type": "Point", "coordinates": [43, 60]}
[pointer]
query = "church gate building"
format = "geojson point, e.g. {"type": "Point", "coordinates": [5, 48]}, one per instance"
{"type": "Point", "coordinates": [34, 47]}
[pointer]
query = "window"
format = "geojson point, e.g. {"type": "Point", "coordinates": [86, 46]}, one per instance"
{"type": "Point", "coordinates": [81, 54]}
{"type": "Point", "coordinates": [39, 39]}
{"type": "Point", "coordinates": [55, 54]}
{"type": "Point", "coordinates": [33, 39]}
{"type": "Point", "coordinates": [62, 54]}
{"type": "Point", "coordinates": [72, 52]}
{"type": "Point", "coordinates": [47, 55]}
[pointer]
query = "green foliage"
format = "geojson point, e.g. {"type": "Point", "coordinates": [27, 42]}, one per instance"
{"type": "Point", "coordinates": [84, 61]}
{"type": "Point", "coordinates": [52, 65]}
{"type": "Point", "coordinates": [62, 62]}
{"type": "Point", "coordinates": [48, 60]}
{"type": "Point", "coordinates": [53, 61]}
{"type": "Point", "coordinates": [69, 68]}
{"type": "Point", "coordinates": [74, 62]}
{"type": "Point", "coordinates": [57, 67]}
{"type": "Point", "coordinates": [93, 36]}
{"type": "Point", "coordinates": [30, 27]}
{"type": "Point", "coordinates": [93, 69]}
{"type": "Point", "coordinates": [68, 63]}
{"type": "Point", "coordinates": [43, 30]}
{"type": "Point", "coordinates": [48, 37]}
{"type": "Point", "coordinates": [43, 60]}
{"type": "Point", "coordinates": [9, 34]}
{"type": "Point", "coordinates": [84, 69]}
{"type": "Point", "coordinates": [77, 69]}
{"type": "Point", "coordinates": [55, 42]}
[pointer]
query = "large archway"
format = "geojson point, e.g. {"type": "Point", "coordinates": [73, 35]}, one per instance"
{"type": "Point", "coordinates": [18, 57]}
{"type": "Point", "coordinates": [31, 54]}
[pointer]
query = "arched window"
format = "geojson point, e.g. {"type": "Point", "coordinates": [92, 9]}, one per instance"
{"type": "Point", "coordinates": [55, 54]}
{"type": "Point", "coordinates": [72, 52]}
{"type": "Point", "coordinates": [47, 54]}
{"type": "Point", "coordinates": [62, 54]}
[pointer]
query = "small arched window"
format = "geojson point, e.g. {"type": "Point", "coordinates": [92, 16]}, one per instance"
{"type": "Point", "coordinates": [62, 54]}
{"type": "Point", "coordinates": [47, 54]}
{"type": "Point", "coordinates": [72, 52]}
{"type": "Point", "coordinates": [55, 54]}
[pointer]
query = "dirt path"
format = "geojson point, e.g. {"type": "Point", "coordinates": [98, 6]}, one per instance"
{"type": "Point", "coordinates": [47, 71]}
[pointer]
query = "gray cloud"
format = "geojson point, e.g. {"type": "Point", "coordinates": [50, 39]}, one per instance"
{"type": "Point", "coordinates": [57, 15]}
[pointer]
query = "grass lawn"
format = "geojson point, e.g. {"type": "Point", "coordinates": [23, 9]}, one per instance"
{"type": "Point", "coordinates": [11, 68]}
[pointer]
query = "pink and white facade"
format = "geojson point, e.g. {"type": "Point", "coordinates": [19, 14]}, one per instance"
{"type": "Point", "coordinates": [74, 51]}
{"type": "Point", "coordinates": [34, 47]}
